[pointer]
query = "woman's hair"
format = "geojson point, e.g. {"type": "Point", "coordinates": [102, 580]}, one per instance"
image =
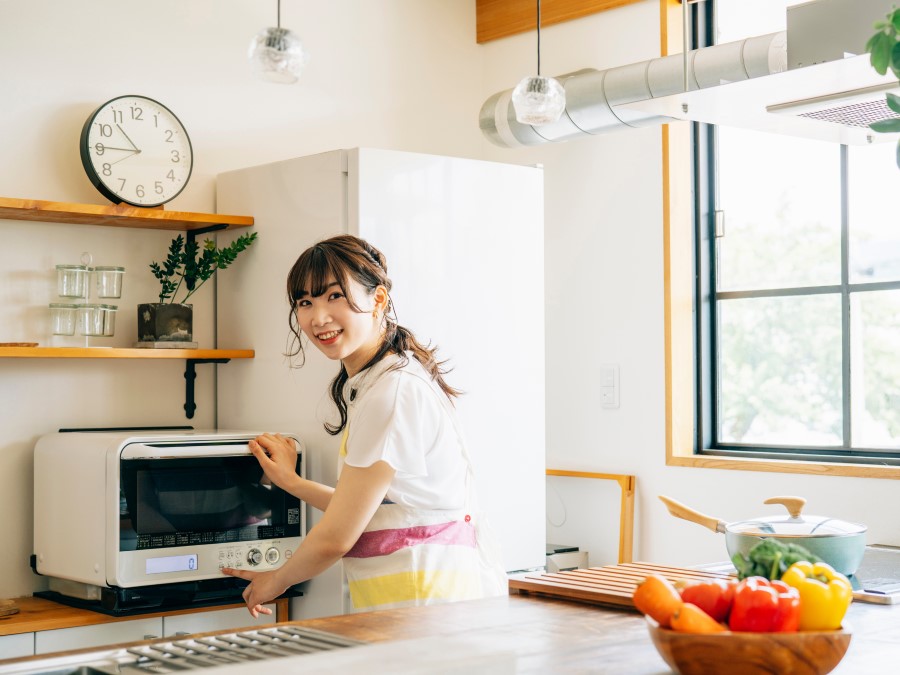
{"type": "Point", "coordinates": [342, 258]}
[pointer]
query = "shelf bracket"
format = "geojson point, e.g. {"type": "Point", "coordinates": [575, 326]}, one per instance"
{"type": "Point", "coordinates": [190, 374]}
{"type": "Point", "coordinates": [191, 236]}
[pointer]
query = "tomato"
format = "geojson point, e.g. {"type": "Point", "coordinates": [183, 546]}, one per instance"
{"type": "Point", "coordinates": [714, 597]}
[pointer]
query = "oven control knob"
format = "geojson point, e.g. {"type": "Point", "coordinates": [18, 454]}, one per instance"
{"type": "Point", "coordinates": [272, 556]}
{"type": "Point", "coordinates": [254, 557]}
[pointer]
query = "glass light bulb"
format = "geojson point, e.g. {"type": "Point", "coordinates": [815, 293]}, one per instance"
{"type": "Point", "coordinates": [277, 55]}
{"type": "Point", "coordinates": [538, 100]}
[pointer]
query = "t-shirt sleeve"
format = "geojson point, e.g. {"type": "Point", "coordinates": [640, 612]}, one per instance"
{"type": "Point", "coordinates": [396, 422]}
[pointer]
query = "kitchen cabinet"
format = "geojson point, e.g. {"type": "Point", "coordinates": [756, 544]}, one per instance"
{"type": "Point", "coordinates": [14, 646]}
{"type": "Point", "coordinates": [47, 641]}
{"type": "Point", "coordinates": [205, 622]}
{"type": "Point", "coordinates": [131, 217]}
{"type": "Point", "coordinates": [43, 626]}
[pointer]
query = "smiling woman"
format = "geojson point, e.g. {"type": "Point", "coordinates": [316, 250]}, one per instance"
{"type": "Point", "coordinates": [403, 514]}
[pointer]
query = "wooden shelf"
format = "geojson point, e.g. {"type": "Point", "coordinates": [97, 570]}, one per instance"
{"type": "Point", "coordinates": [122, 353]}
{"type": "Point", "coordinates": [191, 358]}
{"type": "Point", "coordinates": [116, 216]}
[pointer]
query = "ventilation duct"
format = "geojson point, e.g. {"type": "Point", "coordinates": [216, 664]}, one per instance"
{"type": "Point", "coordinates": [596, 100]}
{"type": "Point", "coordinates": [812, 81]}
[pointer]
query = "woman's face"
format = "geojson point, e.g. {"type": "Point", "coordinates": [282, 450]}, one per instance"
{"type": "Point", "coordinates": [339, 331]}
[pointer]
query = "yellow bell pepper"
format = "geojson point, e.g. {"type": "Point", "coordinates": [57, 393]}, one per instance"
{"type": "Point", "coordinates": [825, 594]}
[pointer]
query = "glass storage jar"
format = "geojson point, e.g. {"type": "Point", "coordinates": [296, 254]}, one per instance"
{"type": "Point", "coordinates": [62, 318]}
{"type": "Point", "coordinates": [72, 281]}
{"type": "Point", "coordinates": [96, 320]}
{"type": "Point", "coordinates": [109, 281]}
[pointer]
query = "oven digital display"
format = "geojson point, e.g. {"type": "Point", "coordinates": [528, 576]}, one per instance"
{"type": "Point", "coordinates": [172, 563]}
{"type": "Point", "coordinates": [188, 501]}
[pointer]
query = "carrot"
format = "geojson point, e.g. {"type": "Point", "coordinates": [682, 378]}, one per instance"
{"type": "Point", "coordinates": [658, 598]}
{"type": "Point", "coordinates": [691, 619]}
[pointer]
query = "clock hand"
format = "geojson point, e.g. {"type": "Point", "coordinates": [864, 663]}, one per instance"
{"type": "Point", "coordinates": [127, 138]}
{"type": "Point", "coordinates": [109, 147]}
{"type": "Point", "coordinates": [132, 153]}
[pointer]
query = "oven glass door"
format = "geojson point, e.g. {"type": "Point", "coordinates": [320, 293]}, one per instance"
{"type": "Point", "coordinates": [182, 501]}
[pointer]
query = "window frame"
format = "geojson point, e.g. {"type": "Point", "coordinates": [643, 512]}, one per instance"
{"type": "Point", "coordinates": [688, 425]}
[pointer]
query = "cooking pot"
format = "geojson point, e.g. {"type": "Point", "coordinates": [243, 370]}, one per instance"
{"type": "Point", "coordinates": [839, 543]}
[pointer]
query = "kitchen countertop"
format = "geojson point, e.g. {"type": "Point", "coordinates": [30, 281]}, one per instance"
{"type": "Point", "coordinates": [530, 634]}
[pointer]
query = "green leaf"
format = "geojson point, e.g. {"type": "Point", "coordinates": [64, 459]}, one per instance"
{"type": "Point", "coordinates": [893, 102]}
{"type": "Point", "coordinates": [880, 46]}
{"type": "Point", "coordinates": [891, 126]}
{"type": "Point", "coordinates": [895, 59]}
{"type": "Point", "coordinates": [895, 19]}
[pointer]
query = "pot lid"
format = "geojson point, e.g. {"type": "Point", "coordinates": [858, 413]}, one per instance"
{"type": "Point", "coordinates": [795, 523]}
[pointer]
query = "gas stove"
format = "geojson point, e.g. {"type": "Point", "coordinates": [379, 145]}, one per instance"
{"type": "Point", "coordinates": [188, 653]}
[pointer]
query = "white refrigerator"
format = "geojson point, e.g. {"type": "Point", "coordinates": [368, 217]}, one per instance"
{"type": "Point", "coordinates": [464, 245]}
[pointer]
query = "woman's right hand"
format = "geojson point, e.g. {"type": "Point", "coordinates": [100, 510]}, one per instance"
{"type": "Point", "coordinates": [278, 458]}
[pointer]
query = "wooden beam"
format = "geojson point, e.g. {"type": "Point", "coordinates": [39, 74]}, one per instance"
{"type": "Point", "coordinates": [496, 19]}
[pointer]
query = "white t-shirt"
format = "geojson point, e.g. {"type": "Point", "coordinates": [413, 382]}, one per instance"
{"type": "Point", "coordinates": [396, 416]}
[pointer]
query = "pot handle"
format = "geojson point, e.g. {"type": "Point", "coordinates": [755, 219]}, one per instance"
{"type": "Point", "coordinates": [794, 505]}
{"type": "Point", "coordinates": [679, 510]}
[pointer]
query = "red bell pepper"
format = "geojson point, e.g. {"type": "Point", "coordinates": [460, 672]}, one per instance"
{"type": "Point", "coordinates": [764, 606]}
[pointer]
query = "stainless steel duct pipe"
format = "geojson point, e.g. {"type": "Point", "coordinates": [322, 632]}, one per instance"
{"type": "Point", "coordinates": [594, 97]}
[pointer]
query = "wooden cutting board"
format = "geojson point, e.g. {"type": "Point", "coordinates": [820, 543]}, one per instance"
{"type": "Point", "coordinates": [611, 585]}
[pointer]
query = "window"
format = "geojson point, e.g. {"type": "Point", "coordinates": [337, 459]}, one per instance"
{"type": "Point", "coordinates": [799, 292]}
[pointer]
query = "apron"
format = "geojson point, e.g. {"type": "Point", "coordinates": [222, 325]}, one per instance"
{"type": "Point", "coordinates": [407, 556]}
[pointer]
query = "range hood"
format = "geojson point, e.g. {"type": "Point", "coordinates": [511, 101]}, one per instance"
{"type": "Point", "coordinates": [812, 80]}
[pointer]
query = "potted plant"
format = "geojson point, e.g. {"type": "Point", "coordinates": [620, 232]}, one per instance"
{"type": "Point", "coordinates": [168, 323]}
{"type": "Point", "coordinates": [884, 51]}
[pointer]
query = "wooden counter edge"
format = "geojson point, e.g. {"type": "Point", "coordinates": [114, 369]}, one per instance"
{"type": "Point", "coordinates": [39, 614]}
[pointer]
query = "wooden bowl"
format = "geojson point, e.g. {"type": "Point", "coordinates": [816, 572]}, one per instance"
{"type": "Point", "coordinates": [801, 653]}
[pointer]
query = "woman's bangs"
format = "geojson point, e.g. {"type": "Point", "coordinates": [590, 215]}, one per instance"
{"type": "Point", "coordinates": [312, 273]}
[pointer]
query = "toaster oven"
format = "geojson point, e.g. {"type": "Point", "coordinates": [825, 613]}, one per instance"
{"type": "Point", "coordinates": [138, 510]}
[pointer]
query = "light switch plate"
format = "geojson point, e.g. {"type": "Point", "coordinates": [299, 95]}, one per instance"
{"type": "Point", "coordinates": [608, 383]}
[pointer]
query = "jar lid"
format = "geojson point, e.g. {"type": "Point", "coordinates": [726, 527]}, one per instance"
{"type": "Point", "coordinates": [109, 269]}
{"type": "Point", "coordinates": [63, 305]}
{"type": "Point", "coordinates": [89, 305]}
{"type": "Point", "coordinates": [72, 267]}
{"type": "Point", "coordinates": [109, 308]}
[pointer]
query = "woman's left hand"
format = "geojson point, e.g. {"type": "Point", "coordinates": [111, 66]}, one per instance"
{"type": "Point", "coordinates": [263, 587]}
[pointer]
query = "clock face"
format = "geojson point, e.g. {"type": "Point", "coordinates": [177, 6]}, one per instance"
{"type": "Point", "coordinates": [136, 151]}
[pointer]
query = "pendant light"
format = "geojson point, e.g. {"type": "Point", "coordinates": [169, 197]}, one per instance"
{"type": "Point", "coordinates": [538, 100]}
{"type": "Point", "coordinates": [277, 54]}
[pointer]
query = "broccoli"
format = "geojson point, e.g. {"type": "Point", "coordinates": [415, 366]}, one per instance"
{"type": "Point", "coordinates": [770, 558]}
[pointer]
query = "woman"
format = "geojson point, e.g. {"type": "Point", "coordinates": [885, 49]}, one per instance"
{"type": "Point", "coordinates": [402, 515]}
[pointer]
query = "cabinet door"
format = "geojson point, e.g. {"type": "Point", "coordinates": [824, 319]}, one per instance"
{"type": "Point", "coordinates": [48, 641]}
{"type": "Point", "coordinates": [223, 619]}
{"type": "Point", "coordinates": [14, 646]}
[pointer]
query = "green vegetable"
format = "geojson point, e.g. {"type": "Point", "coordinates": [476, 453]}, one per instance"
{"type": "Point", "coordinates": [770, 558]}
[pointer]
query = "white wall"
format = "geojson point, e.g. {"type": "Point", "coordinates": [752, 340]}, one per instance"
{"type": "Point", "coordinates": [399, 74]}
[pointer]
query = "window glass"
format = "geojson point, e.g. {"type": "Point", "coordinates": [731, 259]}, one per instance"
{"type": "Point", "coordinates": [874, 229]}
{"type": "Point", "coordinates": [875, 331]}
{"type": "Point", "coordinates": [780, 371]}
{"type": "Point", "coordinates": [782, 202]}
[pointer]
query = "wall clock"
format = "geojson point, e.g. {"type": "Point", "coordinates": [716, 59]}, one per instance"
{"type": "Point", "coordinates": [135, 150]}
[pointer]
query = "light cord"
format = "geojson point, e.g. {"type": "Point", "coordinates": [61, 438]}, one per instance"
{"type": "Point", "coordinates": [538, 37]}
